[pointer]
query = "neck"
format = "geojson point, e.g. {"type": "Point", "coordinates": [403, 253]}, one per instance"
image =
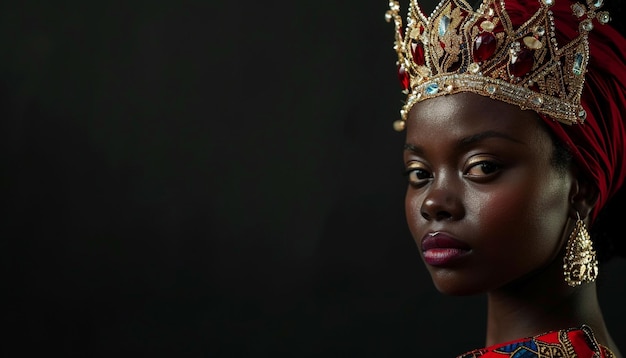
{"type": "Point", "coordinates": [532, 306]}
{"type": "Point", "coordinates": [515, 316]}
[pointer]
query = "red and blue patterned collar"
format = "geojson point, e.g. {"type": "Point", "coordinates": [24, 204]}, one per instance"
{"type": "Point", "coordinates": [567, 343]}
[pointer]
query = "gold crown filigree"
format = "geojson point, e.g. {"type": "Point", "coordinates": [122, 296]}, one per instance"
{"type": "Point", "coordinates": [459, 49]}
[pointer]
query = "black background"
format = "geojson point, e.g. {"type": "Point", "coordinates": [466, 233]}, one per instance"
{"type": "Point", "coordinates": [214, 179]}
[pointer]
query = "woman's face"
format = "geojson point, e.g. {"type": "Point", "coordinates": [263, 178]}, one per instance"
{"type": "Point", "coordinates": [484, 203]}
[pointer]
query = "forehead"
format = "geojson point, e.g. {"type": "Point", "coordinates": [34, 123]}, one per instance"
{"type": "Point", "coordinates": [465, 114]}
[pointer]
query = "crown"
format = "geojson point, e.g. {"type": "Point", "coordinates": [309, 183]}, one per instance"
{"type": "Point", "coordinates": [460, 49]}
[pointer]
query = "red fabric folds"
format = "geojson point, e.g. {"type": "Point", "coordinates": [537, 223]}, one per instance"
{"type": "Point", "coordinates": [599, 144]}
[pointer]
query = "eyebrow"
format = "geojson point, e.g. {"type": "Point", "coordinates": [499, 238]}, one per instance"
{"type": "Point", "coordinates": [464, 142]}
{"type": "Point", "coordinates": [487, 134]}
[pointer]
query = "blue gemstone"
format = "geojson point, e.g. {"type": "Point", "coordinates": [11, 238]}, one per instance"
{"type": "Point", "coordinates": [578, 64]}
{"type": "Point", "coordinates": [432, 88]}
{"type": "Point", "coordinates": [443, 25]}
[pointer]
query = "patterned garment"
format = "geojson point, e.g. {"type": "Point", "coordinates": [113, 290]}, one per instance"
{"type": "Point", "coordinates": [566, 343]}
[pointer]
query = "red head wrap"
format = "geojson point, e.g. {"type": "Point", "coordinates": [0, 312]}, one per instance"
{"type": "Point", "coordinates": [599, 144]}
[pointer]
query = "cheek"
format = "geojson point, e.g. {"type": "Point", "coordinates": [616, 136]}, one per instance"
{"type": "Point", "coordinates": [525, 219]}
{"type": "Point", "coordinates": [412, 210]}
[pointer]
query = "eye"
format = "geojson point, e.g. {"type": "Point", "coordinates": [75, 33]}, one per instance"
{"type": "Point", "coordinates": [417, 174]}
{"type": "Point", "coordinates": [483, 168]}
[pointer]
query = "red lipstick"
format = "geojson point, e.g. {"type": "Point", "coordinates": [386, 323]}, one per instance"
{"type": "Point", "coordinates": [440, 249]}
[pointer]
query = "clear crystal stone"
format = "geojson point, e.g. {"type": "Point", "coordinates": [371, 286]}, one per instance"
{"type": "Point", "coordinates": [578, 10]}
{"type": "Point", "coordinates": [515, 46]}
{"type": "Point", "coordinates": [604, 17]}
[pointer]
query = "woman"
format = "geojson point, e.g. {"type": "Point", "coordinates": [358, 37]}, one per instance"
{"type": "Point", "coordinates": [514, 147]}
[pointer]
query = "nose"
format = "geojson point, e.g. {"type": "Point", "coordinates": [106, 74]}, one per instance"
{"type": "Point", "coordinates": [442, 203]}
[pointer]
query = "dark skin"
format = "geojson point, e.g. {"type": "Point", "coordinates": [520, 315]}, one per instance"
{"type": "Point", "coordinates": [481, 175]}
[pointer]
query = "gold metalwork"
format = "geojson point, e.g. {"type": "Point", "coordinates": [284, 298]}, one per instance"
{"type": "Point", "coordinates": [449, 39]}
{"type": "Point", "coordinates": [580, 264]}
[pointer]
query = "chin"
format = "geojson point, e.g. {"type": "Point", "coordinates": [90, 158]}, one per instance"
{"type": "Point", "coordinates": [454, 285]}
{"type": "Point", "coordinates": [458, 290]}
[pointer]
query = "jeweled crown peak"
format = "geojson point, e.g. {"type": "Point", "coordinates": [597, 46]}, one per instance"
{"type": "Point", "coordinates": [462, 49]}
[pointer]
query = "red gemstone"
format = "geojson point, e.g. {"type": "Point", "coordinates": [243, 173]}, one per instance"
{"type": "Point", "coordinates": [417, 50]}
{"type": "Point", "coordinates": [522, 63]}
{"type": "Point", "coordinates": [403, 76]}
{"type": "Point", "coordinates": [484, 46]}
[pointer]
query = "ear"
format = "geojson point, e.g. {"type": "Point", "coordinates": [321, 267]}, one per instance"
{"type": "Point", "coordinates": [583, 197]}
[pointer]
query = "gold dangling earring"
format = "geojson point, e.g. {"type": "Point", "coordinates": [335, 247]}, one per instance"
{"type": "Point", "coordinates": [580, 263]}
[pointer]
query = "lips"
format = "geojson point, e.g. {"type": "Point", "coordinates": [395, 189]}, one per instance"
{"type": "Point", "coordinates": [440, 249]}
{"type": "Point", "coordinates": [437, 240]}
